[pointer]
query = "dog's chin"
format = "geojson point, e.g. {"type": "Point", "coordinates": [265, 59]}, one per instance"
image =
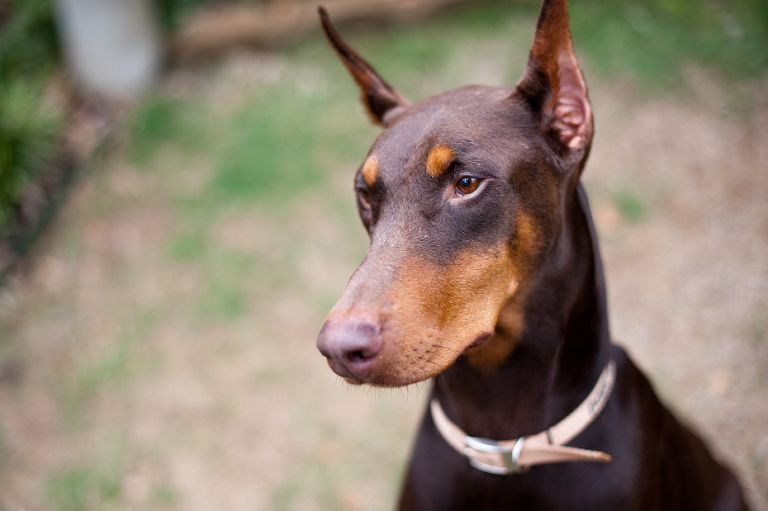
{"type": "Point", "coordinates": [401, 378]}
{"type": "Point", "coordinates": [375, 383]}
{"type": "Point", "coordinates": [386, 379]}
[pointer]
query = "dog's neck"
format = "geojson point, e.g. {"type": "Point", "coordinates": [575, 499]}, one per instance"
{"type": "Point", "coordinates": [557, 350]}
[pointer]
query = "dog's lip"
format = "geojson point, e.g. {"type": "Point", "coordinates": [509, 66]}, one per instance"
{"type": "Point", "coordinates": [353, 381]}
{"type": "Point", "coordinates": [480, 340]}
{"type": "Point", "coordinates": [342, 370]}
{"type": "Point", "coordinates": [339, 368]}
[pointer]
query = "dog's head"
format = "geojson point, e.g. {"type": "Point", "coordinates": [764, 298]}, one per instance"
{"type": "Point", "coordinates": [461, 195]}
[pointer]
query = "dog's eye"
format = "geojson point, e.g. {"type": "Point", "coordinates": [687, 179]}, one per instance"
{"type": "Point", "coordinates": [364, 198]}
{"type": "Point", "coordinates": [467, 185]}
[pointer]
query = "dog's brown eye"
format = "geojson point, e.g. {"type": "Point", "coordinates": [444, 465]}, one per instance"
{"type": "Point", "coordinates": [467, 185]}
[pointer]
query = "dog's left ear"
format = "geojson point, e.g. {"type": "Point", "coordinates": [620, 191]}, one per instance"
{"type": "Point", "coordinates": [381, 100]}
{"type": "Point", "coordinates": [553, 83]}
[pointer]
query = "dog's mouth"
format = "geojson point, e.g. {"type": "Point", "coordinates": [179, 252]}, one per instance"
{"type": "Point", "coordinates": [341, 370]}
{"type": "Point", "coordinates": [479, 341]}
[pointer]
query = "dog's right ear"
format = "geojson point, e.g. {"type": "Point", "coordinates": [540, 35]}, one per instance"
{"type": "Point", "coordinates": [381, 100]}
{"type": "Point", "coordinates": [554, 85]}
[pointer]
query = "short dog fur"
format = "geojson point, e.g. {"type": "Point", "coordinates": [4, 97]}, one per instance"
{"type": "Point", "coordinates": [484, 268]}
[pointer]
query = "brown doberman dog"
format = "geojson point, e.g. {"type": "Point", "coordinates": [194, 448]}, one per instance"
{"type": "Point", "coordinates": [484, 269]}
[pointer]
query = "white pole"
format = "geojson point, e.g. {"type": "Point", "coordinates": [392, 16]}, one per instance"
{"type": "Point", "coordinates": [112, 46]}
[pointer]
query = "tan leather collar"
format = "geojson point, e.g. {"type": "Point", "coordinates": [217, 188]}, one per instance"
{"type": "Point", "coordinates": [515, 456]}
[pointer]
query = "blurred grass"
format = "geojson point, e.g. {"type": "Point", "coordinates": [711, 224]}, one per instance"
{"type": "Point", "coordinates": [95, 483]}
{"type": "Point", "coordinates": [164, 120]}
{"type": "Point", "coordinates": [629, 202]}
{"type": "Point", "coordinates": [27, 136]}
{"type": "Point", "coordinates": [79, 488]}
{"type": "Point", "coordinates": [273, 151]}
{"type": "Point", "coordinates": [28, 123]}
{"type": "Point", "coordinates": [650, 40]}
{"type": "Point", "coordinates": [113, 366]}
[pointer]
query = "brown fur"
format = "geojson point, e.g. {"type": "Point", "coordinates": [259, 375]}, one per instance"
{"type": "Point", "coordinates": [510, 324]}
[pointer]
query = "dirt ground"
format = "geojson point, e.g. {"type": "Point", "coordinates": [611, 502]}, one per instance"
{"type": "Point", "coordinates": [118, 392]}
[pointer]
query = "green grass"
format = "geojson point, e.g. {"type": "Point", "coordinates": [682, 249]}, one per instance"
{"type": "Point", "coordinates": [630, 203]}
{"type": "Point", "coordinates": [83, 488]}
{"type": "Point", "coordinates": [223, 300]}
{"type": "Point", "coordinates": [112, 367]}
{"type": "Point", "coordinates": [28, 123]}
{"type": "Point", "coordinates": [273, 151]}
{"type": "Point", "coordinates": [187, 246]}
{"type": "Point", "coordinates": [164, 495]}
{"type": "Point", "coordinates": [96, 484]}
{"type": "Point", "coordinates": [758, 325]}
{"type": "Point", "coordinates": [652, 40]}
{"type": "Point", "coordinates": [286, 494]}
{"type": "Point", "coordinates": [162, 120]}
{"type": "Point", "coordinates": [27, 134]}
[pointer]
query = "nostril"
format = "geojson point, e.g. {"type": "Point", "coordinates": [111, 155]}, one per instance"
{"type": "Point", "coordinates": [360, 341]}
{"type": "Point", "coordinates": [355, 355]}
{"type": "Point", "coordinates": [351, 344]}
{"type": "Point", "coordinates": [359, 356]}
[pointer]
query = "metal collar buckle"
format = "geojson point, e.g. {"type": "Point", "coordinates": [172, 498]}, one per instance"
{"type": "Point", "coordinates": [510, 455]}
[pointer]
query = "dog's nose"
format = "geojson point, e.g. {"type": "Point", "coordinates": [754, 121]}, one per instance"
{"type": "Point", "coordinates": [351, 344]}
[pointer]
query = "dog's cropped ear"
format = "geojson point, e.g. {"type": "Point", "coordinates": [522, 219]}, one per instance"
{"type": "Point", "coordinates": [381, 100]}
{"type": "Point", "coordinates": [553, 83]}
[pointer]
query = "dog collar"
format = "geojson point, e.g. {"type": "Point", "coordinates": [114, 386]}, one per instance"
{"type": "Point", "coordinates": [518, 455]}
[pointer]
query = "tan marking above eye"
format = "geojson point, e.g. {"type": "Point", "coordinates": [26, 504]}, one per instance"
{"type": "Point", "coordinates": [370, 170]}
{"type": "Point", "coordinates": [439, 159]}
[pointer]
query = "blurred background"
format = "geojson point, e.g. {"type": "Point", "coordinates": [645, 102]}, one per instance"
{"type": "Point", "coordinates": [177, 218]}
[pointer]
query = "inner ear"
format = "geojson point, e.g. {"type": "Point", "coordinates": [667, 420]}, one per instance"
{"type": "Point", "coordinates": [381, 100]}
{"type": "Point", "coordinates": [572, 113]}
{"type": "Point", "coordinates": [553, 83]}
